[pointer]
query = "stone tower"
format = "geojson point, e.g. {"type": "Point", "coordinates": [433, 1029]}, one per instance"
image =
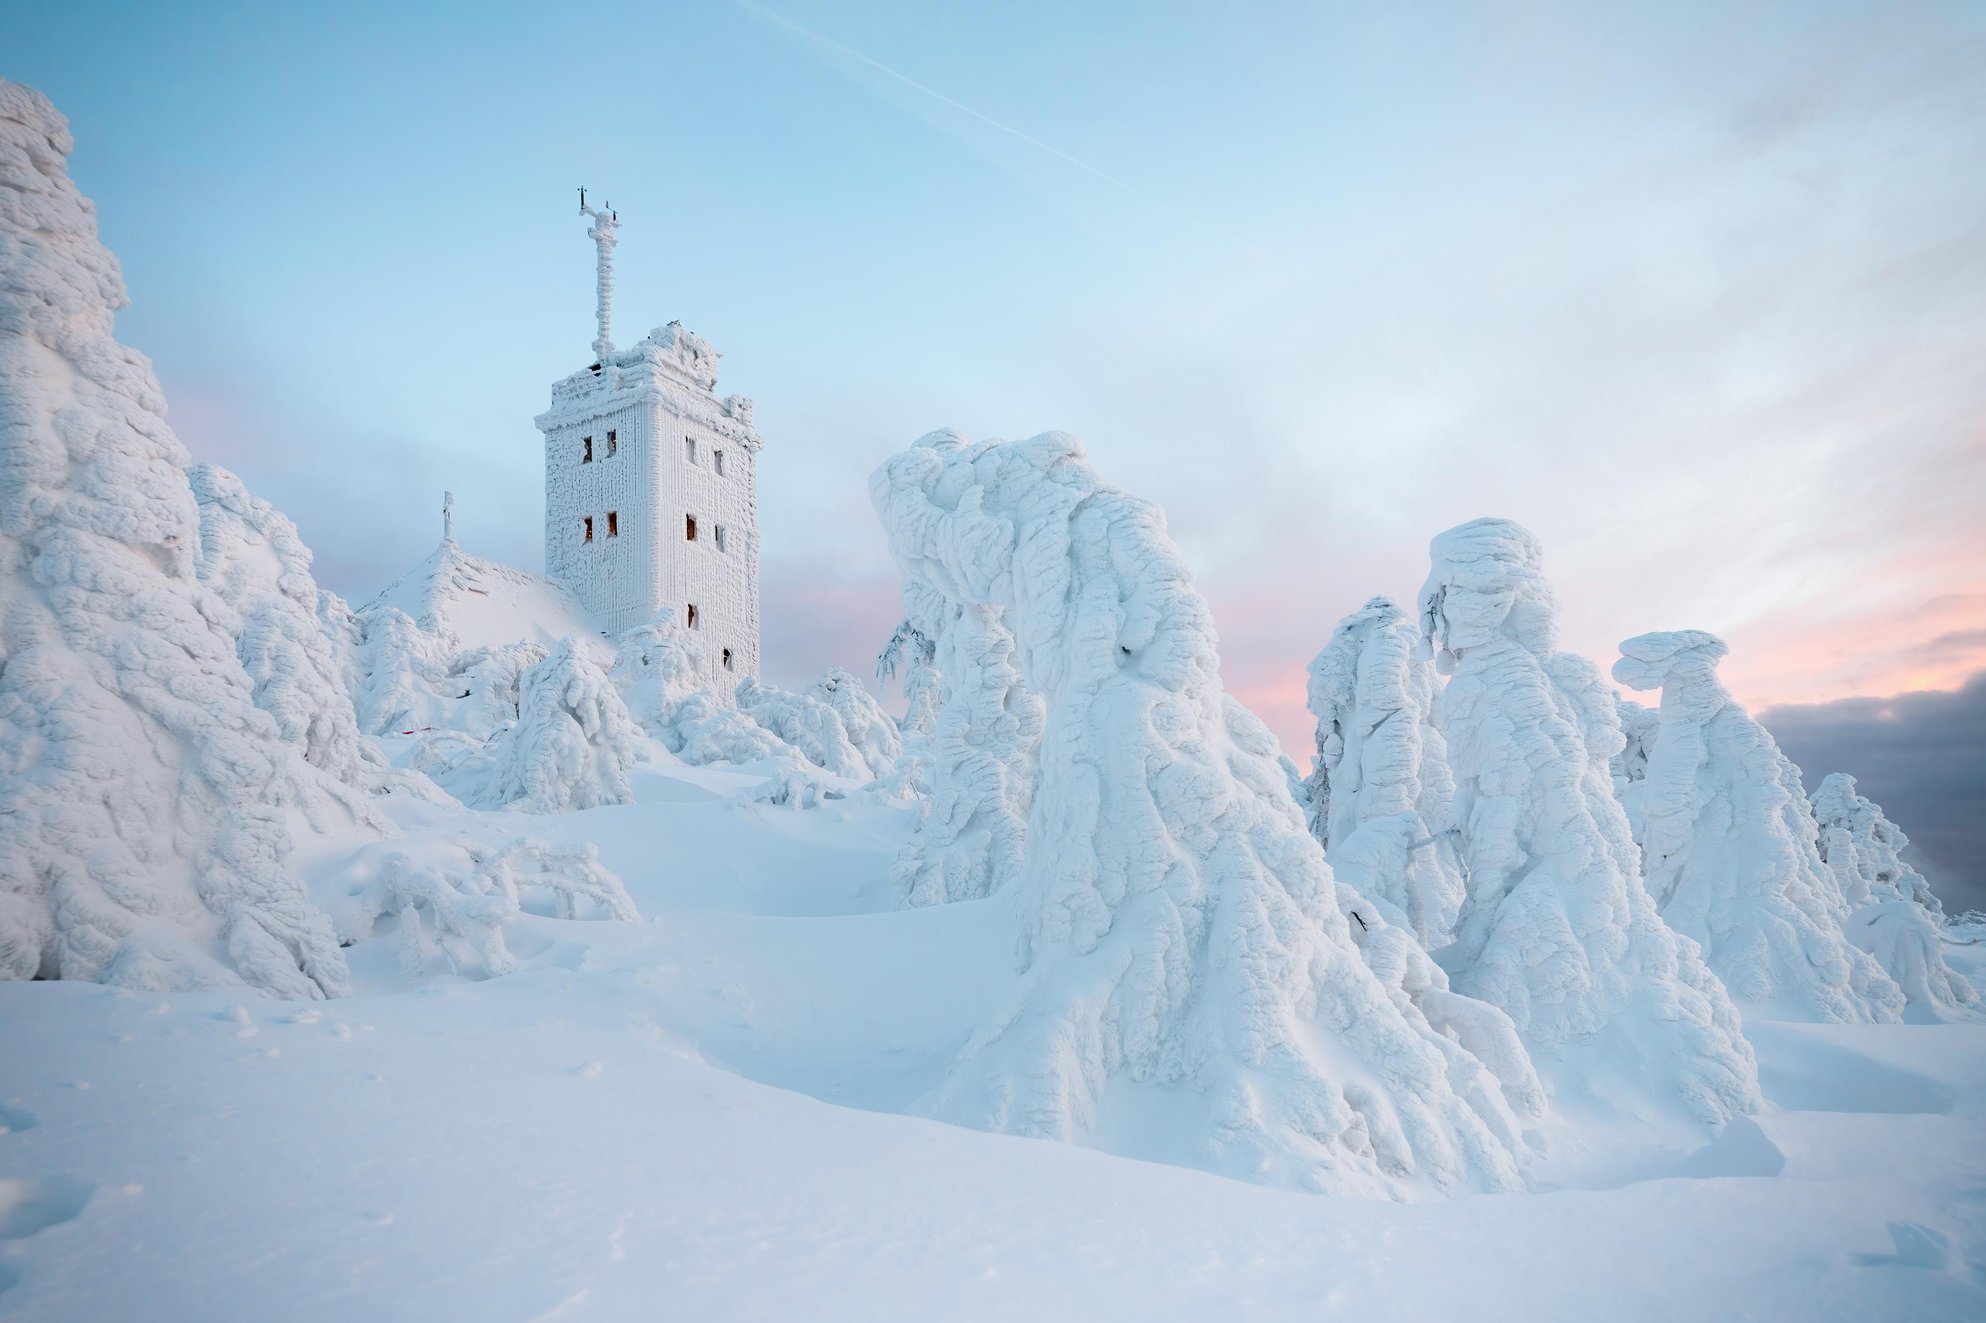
{"type": "Point", "coordinates": [651, 484]}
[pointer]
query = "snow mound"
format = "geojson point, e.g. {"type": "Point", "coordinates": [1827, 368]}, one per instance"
{"type": "Point", "coordinates": [1557, 928]}
{"type": "Point", "coordinates": [1179, 932]}
{"type": "Point", "coordinates": [1893, 914]}
{"type": "Point", "coordinates": [1728, 845]}
{"type": "Point", "coordinates": [469, 602]}
{"type": "Point", "coordinates": [143, 838]}
{"type": "Point", "coordinates": [1378, 795]}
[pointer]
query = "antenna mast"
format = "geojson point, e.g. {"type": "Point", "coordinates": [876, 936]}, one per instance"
{"type": "Point", "coordinates": [605, 222]}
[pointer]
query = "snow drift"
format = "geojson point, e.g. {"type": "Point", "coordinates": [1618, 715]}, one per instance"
{"type": "Point", "coordinates": [1178, 924]}
{"type": "Point", "coordinates": [1557, 928]}
{"type": "Point", "coordinates": [1728, 848]}
{"type": "Point", "coordinates": [1378, 795]}
{"type": "Point", "coordinates": [143, 839]}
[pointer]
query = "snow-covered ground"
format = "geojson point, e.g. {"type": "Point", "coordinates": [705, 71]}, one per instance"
{"type": "Point", "coordinates": [690, 1117]}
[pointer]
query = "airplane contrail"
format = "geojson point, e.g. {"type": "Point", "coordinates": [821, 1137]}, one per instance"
{"type": "Point", "coordinates": [808, 34]}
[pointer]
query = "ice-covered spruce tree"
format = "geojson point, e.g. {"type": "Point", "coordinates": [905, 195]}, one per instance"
{"type": "Point", "coordinates": [810, 725]}
{"type": "Point", "coordinates": [871, 730]}
{"type": "Point", "coordinates": [1728, 849]}
{"type": "Point", "coordinates": [669, 682]}
{"type": "Point", "coordinates": [981, 753]}
{"type": "Point", "coordinates": [1378, 794]}
{"type": "Point", "coordinates": [1178, 925]}
{"type": "Point", "coordinates": [572, 744]}
{"type": "Point", "coordinates": [1893, 914]}
{"type": "Point", "coordinates": [252, 558]}
{"type": "Point", "coordinates": [143, 793]}
{"type": "Point", "coordinates": [1557, 928]}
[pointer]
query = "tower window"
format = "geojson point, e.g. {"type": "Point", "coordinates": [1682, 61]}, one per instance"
{"type": "Point", "coordinates": [613, 523]}
{"type": "Point", "coordinates": [717, 458]}
{"type": "Point", "coordinates": [588, 521]}
{"type": "Point", "coordinates": [613, 443]}
{"type": "Point", "coordinates": [690, 616]}
{"type": "Point", "coordinates": [689, 448]}
{"type": "Point", "coordinates": [586, 455]}
{"type": "Point", "coordinates": [727, 659]}
{"type": "Point", "coordinates": [689, 528]}
{"type": "Point", "coordinates": [718, 532]}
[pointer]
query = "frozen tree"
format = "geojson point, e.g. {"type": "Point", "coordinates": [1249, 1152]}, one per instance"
{"type": "Point", "coordinates": [870, 729]}
{"type": "Point", "coordinates": [571, 745]}
{"type": "Point", "coordinates": [1728, 850]}
{"type": "Point", "coordinates": [916, 651]}
{"type": "Point", "coordinates": [1378, 795]}
{"type": "Point", "coordinates": [1892, 913]}
{"type": "Point", "coordinates": [665, 674]}
{"type": "Point", "coordinates": [485, 686]}
{"type": "Point", "coordinates": [143, 793]}
{"type": "Point", "coordinates": [808, 724]}
{"type": "Point", "coordinates": [1178, 925]}
{"type": "Point", "coordinates": [972, 822]}
{"type": "Point", "coordinates": [1557, 928]}
{"type": "Point", "coordinates": [1639, 726]}
{"type": "Point", "coordinates": [402, 670]}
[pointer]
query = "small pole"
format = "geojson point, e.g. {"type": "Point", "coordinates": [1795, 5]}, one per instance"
{"type": "Point", "coordinates": [448, 517]}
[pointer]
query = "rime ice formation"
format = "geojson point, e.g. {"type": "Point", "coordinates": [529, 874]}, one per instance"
{"type": "Point", "coordinates": [980, 750]}
{"type": "Point", "coordinates": [572, 743]}
{"type": "Point", "coordinates": [666, 676]}
{"type": "Point", "coordinates": [1639, 726]}
{"type": "Point", "coordinates": [252, 558]}
{"type": "Point", "coordinates": [871, 730]}
{"type": "Point", "coordinates": [1557, 928]}
{"type": "Point", "coordinates": [1728, 851]}
{"type": "Point", "coordinates": [1378, 796]}
{"type": "Point", "coordinates": [807, 723]}
{"type": "Point", "coordinates": [1892, 913]}
{"type": "Point", "coordinates": [651, 485]}
{"type": "Point", "coordinates": [143, 839]}
{"type": "Point", "coordinates": [1179, 929]}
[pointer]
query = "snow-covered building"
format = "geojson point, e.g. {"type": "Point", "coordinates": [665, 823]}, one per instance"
{"type": "Point", "coordinates": [651, 483]}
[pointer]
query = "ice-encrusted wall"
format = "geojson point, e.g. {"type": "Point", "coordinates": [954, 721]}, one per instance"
{"type": "Point", "coordinates": [665, 450]}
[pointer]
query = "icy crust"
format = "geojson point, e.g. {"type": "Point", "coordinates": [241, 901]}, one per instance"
{"type": "Point", "coordinates": [1179, 929]}
{"type": "Point", "coordinates": [142, 835]}
{"type": "Point", "coordinates": [1378, 795]}
{"type": "Point", "coordinates": [1728, 846]}
{"type": "Point", "coordinates": [980, 766]}
{"type": "Point", "coordinates": [1892, 913]}
{"type": "Point", "coordinates": [1557, 928]}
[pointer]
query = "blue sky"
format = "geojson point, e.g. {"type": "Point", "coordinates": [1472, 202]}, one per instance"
{"type": "Point", "coordinates": [1695, 290]}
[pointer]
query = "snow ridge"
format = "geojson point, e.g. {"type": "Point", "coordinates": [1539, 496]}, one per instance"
{"type": "Point", "coordinates": [1557, 928]}
{"type": "Point", "coordinates": [1178, 924]}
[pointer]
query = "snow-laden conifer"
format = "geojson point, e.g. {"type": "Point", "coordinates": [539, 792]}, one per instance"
{"type": "Point", "coordinates": [1378, 794]}
{"type": "Point", "coordinates": [807, 723]}
{"type": "Point", "coordinates": [871, 730]}
{"type": "Point", "coordinates": [1179, 928]}
{"type": "Point", "coordinates": [571, 745]}
{"type": "Point", "coordinates": [1892, 912]}
{"type": "Point", "coordinates": [1557, 928]}
{"type": "Point", "coordinates": [1728, 848]}
{"type": "Point", "coordinates": [143, 838]}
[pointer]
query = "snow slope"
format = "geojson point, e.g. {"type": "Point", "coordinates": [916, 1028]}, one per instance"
{"type": "Point", "coordinates": [641, 1123]}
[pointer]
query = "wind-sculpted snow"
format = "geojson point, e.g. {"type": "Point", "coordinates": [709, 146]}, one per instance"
{"type": "Point", "coordinates": [571, 745]}
{"type": "Point", "coordinates": [1728, 845]}
{"type": "Point", "coordinates": [252, 558]}
{"type": "Point", "coordinates": [981, 749]}
{"type": "Point", "coordinates": [1378, 795]}
{"type": "Point", "coordinates": [1557, 928]}
{"type": "Point", "coordinates": [143, 839]}
{"type": "Point", "coordinates": [1893, 914]}
{"type": "Point", "coordinates": [1178, 925]}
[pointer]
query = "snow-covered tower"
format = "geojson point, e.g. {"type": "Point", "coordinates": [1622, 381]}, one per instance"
{"type": "Point", "coordinates": [651, 483]}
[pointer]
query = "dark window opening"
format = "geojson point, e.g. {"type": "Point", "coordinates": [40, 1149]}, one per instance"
{"type": "Point", "coordinates": [586, 456]}
{"type": "Point", "coordinates": [589, 527]}
{"type": "Point", "coordinates": [689, 448]}
{"type": "Point", "coordinates": [689, 528]}
{"type": "Point", "coordinates": [718, 533]}
{"type": "Point", "coordinates": [613, 442]}
{"type": "Point", "coordinates": [613, 523]}
{"type": "Point", "coordinates": [727, 659]}
{"type": "Point", "coordinates": [691, 615]}
{"type": "Point", "coordinates": [717, 458]}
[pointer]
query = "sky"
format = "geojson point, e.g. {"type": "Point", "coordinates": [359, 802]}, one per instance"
{"type": "Point", "coordinates": [1696, 291]}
